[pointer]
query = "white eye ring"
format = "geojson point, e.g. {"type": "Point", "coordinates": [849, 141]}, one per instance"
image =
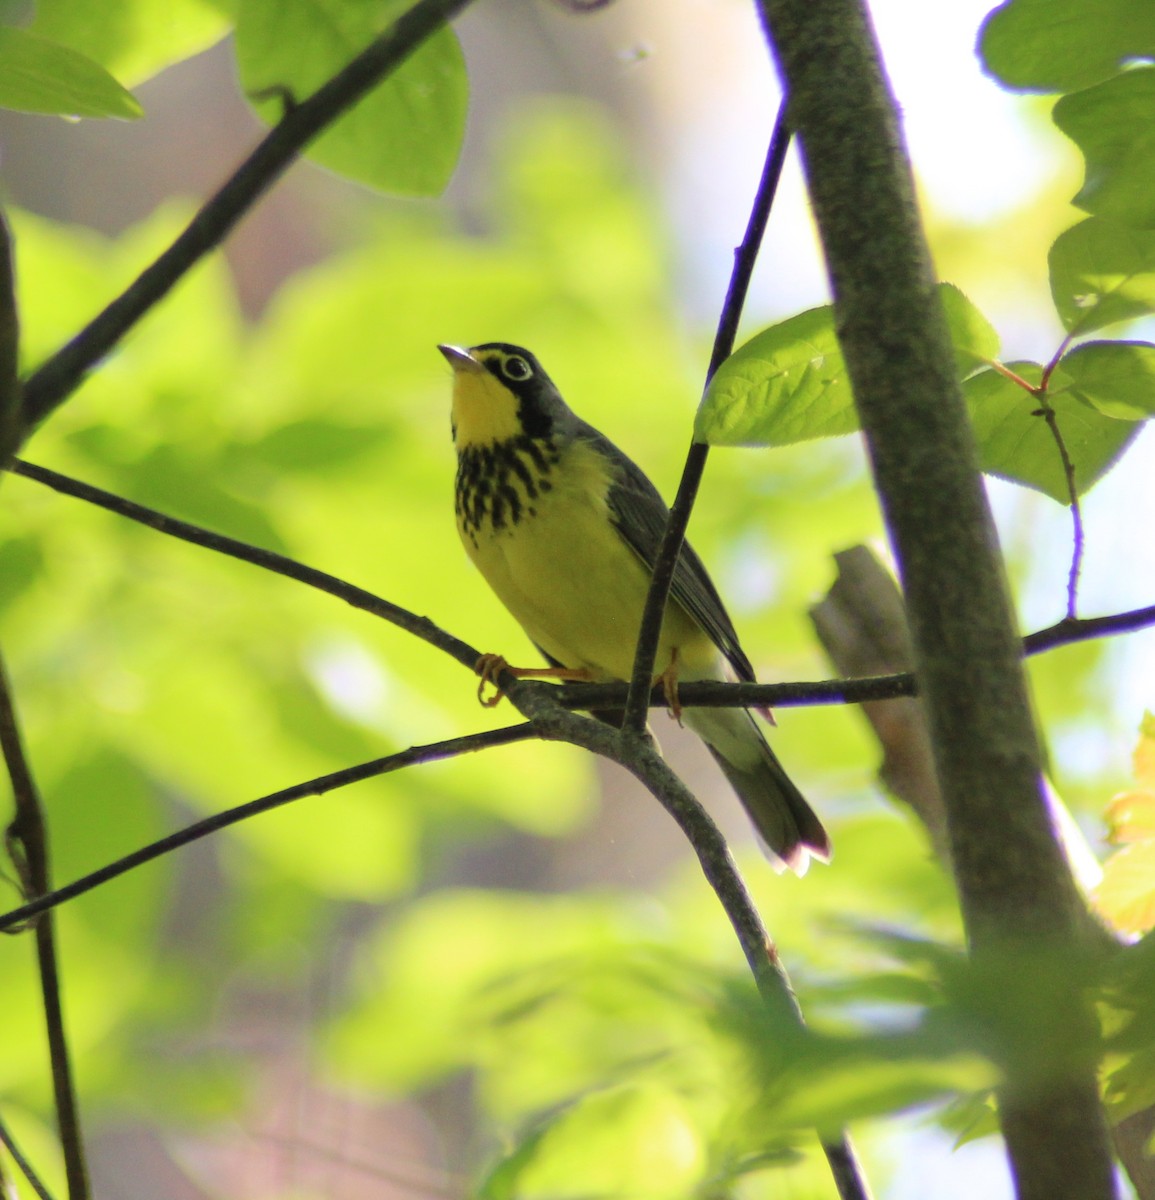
{"type": "Point", "coordinates": [516, 368]}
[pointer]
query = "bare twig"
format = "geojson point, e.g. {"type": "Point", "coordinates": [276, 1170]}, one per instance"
{"type": "Point", "coordinates": [54, 381]}
{"type": "Point", "coordinates": [269, 560]}
{"type": "Point", "coordinates": [666, 563]}
{"type": "Point", "coordinates": [640, 757]}
{"type": "Point", "coordinates": [23, 1165]}
{"type": "Point", "coordinates": [1047, 411]}
{"type": "Point", "coordinates": [27, 839]}
{"type": "Point", "coordinates": [574, 695]}
{"type": "Point", "coordinates": [1083, 629]}
{"type": "Point", "coordinates": [436, 752]}
{"type": "Point", "coordinates": [9, 350]}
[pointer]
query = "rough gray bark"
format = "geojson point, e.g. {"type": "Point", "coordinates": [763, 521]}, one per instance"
{"type": "Point", "coordinates": [1016, 893]}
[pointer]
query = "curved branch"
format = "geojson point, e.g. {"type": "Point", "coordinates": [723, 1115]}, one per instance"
{"type": "Point", "coordinates": [25, 1167]}
{"type": "Point", "coordinates": [437, 751]}
{"type": "Point", "coordinates": [269, 560]}
{"type": "Point", "coordinates": [10, 394]}
{"type": "Point", "coordinates": [27, 841]}
{"type": "Point", "coordinates": [640, 757]}
{"type": "Point", "coordinates": [667, 561]}
{"type": "Point", "coordinates": [587, 696]}
{"type": "Point", "coordinates": [52, 382]}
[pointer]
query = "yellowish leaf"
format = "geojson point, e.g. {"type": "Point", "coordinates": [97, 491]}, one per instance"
{"type": "Point", "coordinates": [1131, 816]}
{"type": "Point", "coordinates": [1126, 897]}
{"type": "Point", "coordinates": [1145, 751]}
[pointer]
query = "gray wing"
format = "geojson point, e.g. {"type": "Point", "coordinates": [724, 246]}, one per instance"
{"type": "Point", "coordinates": [640, 515]}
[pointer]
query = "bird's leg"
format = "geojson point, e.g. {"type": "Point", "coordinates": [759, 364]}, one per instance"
{"type": "Point", "coordinates": [669, 681]}
{"type": "Point", "coordinates": [489, 666]}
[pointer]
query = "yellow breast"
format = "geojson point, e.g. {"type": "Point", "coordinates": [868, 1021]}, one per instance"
{"type": "Point", "coordinates": [536, 522]}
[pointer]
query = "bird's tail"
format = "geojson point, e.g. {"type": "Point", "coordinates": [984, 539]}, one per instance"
{"type": "Point", "coordinates": [787, 826]}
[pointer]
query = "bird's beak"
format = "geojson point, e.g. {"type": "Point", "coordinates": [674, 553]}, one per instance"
{"type": "Point", "coordinates": [460, 360]}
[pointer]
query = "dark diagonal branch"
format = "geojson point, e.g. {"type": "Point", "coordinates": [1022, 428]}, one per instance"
{"type": "Point", "coordinates": [22, 1164]}
{"type": "Point", "coordinates": [269, 560]}
{"type": "Point", "coordinates": [645, 763]}
{"type": "Point", "coordinates": [436, 752]}
{"type": "Point", "coordinates": [744, 258]}
{"type": "Point", "coordinates": [573, 696]}
{"type": "Point", "coordinates": [1084, 629]}
{"type": "Point", "coordinates": [9, 350]}
{"type": "Point", "coordinates": [61, 374]}
{"type": "Point", "coordinates": [27, 840]}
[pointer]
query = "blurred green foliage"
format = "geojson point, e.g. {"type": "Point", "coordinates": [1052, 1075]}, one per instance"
{"type": "Point", "coordinates": [610, 1037]}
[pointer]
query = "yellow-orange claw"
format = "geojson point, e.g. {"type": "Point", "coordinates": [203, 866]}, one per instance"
{"type": "Point", "coordinates": [669, 681]}
{"type": "Point", "coordinates": [489, 666]}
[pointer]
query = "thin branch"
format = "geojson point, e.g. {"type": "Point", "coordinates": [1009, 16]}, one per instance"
{"type": "Point", "coordinates": [22, 1163]}
{"type": "Point", "coordinates": [269, 560]}
{"type": "Point", "coordinates": [599, 697]}
{"type": "Point", "coordinates": [679, 518]}
{"type": "Point", "coordinates": [10, 396]}
{"type": "Point", "coordinates": [1048, 413]}
{"type": "Point", "coordinates": [27, 838]}
{"type": "Point", "coordinates": [537, 702]}
{"type": "Point", "coordinates": [1046, 410]}
{"type": "Point", "coordinates": [640, 757]}
{"type": "Point", "coordinates": [575, 696]}
{"type": "Point", "coordinates": [1082, 629]}
{"type": "Point", "coordinates": [52, 383]}
{"type": "Point", "coordinates": [435, 752]}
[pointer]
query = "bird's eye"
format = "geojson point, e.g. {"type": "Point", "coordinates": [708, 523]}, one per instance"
{"type": "Point", "coordinates": [516, 368]}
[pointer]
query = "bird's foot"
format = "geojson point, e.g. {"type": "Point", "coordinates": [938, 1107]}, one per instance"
{"type": "Point", "coordinates": [489, 666]}
{"type": "Point", "coordinates": [669, 681]}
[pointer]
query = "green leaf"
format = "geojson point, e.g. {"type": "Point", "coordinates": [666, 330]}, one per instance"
{"type": "Point", "coordinates": [1113, 124]}
{"type": "Point", "coordinates": [839, 1081]}
{"type": "Point", "coordinates": [1062, 45]}
{"type": "Point", "coordinates": [974, 338]}
{"type": "Point", "coordinates": [787, 384]}
{"type": "Point", "coordinates": [404, 136]}
{"type": "Point", "coordinates": [624, 1141]}
{"type": "Point", "coordinates": [40, 76]}
{"type": "Point", "coordinates": [1117, 378]}
{"type": "Point", "coordinates": [134, 39]}
{"type": "Point", "coordinates": [1102, 272]}
{"type": "Point", "coordinates": [1016, 444]}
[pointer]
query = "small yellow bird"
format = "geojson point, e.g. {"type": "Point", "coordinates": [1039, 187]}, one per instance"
{"type": "Point", "coordinates": [565, 529]}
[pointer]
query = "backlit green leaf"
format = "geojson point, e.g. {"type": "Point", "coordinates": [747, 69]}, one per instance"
{"type": "Point", "coordinates": [1015, 442]}
{"type": "Point", "coordinates": [1118, 378]}
{"type": "Point", "coordinates": [405, 135]}
{"type": "Point", "coordinates": [134, 39]}
{"type": "Point", "coordinates": [787, 384]}
{"type": "Point", "coordinates": [1102, 272]}
{"type": "Point", "coordinates": [1113, 124]}
{"type": "Point", "coordinates": [1061, 45]}
{"type": "Point", "coordinates": [41, 76]}
{"type": "Point", "coordinates": [974, 338]}
{"type": "Point", "coordinates": [623, 1141]}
